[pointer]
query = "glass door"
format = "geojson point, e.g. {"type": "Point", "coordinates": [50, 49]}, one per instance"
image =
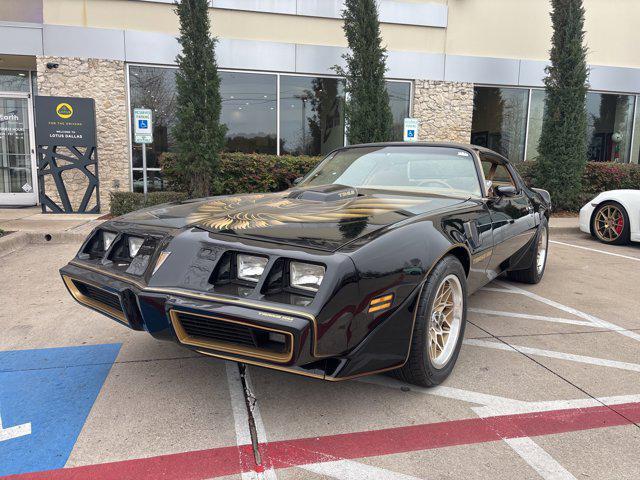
{"type": "Point", "coordinates": [18, 179]}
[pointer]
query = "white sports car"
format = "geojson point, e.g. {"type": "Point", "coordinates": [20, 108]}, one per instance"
{"type": "Point", "coordinates": [613, 217]}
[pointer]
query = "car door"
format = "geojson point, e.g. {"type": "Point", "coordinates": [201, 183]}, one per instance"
{"type": "Point", "coordinates": [512, 216]}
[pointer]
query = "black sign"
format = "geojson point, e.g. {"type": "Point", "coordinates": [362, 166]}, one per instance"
{"type": "Point", "coordinates": [66, 140]}
{"type": "Point", "coordinates": [65, 121]}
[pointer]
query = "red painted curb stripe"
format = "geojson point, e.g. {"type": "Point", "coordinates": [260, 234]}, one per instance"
{"type": "Point", "coordinates": [288, 453]}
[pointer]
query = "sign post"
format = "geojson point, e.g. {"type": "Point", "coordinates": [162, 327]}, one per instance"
{"type": "Point", "coordinates": [143, 134]}
{"type": "Point", "coordinates": [411, 128]}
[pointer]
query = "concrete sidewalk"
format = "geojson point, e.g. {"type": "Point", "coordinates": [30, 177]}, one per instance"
{"type": "Point", "coordinates": [30, 225]}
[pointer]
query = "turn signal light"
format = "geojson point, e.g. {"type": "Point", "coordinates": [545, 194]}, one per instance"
{"type": "Point", "coordinates": [381, 303]}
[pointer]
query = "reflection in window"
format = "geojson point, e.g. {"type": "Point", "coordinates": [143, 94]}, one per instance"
{"type": "Point", "coordinates": [500, 119]}
{"type": "Point", "coordinates": [399, 98]}
{"type": "Point", "coordinates": [14, 81]}
{"type": "Point", "coordinates": [610, 119]}
{"type": "Point", "coordinates": [249, 111]}
{"type": "Point", "coordinates": [311, 115]}
{"type": "Point", "coordinates": [154, 88]}
{"type": "Point", "coordinates": [155, 182]}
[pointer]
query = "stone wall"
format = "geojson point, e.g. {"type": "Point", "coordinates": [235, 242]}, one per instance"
{"type": "Point", "coordinates": [445, 110]}
{"type": "Point", "coordinates": [104, 81]}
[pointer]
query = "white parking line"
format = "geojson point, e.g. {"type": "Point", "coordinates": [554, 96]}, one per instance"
{"type": "Point", "coordinates": [339, 469]}
{"type": "Point", "coordinates": [241, 419]}
{"type": "Point", "coordinates": [349, 470]}
{"type": "Point", "coordinates": [538, 459]}
{"type": "Point", "coordinates": [591, 318]}
{"type": "Point", "coordinates": [492, 405]}
{"type": "Point", "coordinates": [596, 250]}
{"type": "Point", "coordinates": [16, 431]}
{"type": "Point", "coordinates": [602, 362]}
{"type": "Point", "coordinates": [542, 318]}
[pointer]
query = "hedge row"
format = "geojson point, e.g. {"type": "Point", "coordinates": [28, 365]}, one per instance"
{"type": "Point", "coordinates": [598, 177]}
{"type": "Point", "coordinates": [244, 172]}
{"type": "Point", "coordinates": [125, 202]}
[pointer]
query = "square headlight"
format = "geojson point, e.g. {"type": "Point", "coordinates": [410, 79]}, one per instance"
{"type": "Point", "coordinates": [251, 268]}
{"type": "Point", "coordinates": [306, 276]}
{"type": "Point", "coordinates": [134, 245]}
{"type": "Point", "coordinates": [107, 239]}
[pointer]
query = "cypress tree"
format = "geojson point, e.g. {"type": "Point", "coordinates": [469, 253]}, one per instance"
{"type": "Point", "coordinates": [367, 110]}
{"type": "Point", "coordinates": [198, 134]}
{"type": "Point", "coordinates": [563, 141]}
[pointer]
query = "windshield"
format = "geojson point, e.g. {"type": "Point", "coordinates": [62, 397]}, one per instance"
{"type": "Point", "coordinates": [440, 170]}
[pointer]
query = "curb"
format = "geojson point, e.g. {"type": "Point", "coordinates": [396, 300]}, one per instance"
{"type": "Point", "coordinates": [15, 241]}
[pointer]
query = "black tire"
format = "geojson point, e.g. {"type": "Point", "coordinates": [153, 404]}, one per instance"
{"type": "Point", "coordinates": [624, 237]}
{"type": "Point", "coordinates": [533, 274]}
{"type": "Point", "coordinates": [419, 369]}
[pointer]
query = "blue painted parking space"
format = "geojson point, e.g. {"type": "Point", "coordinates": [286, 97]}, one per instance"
{"type": "Point", "coordinates": [45, 398]}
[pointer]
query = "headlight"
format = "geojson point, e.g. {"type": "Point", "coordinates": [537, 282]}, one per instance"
{"type": "Point", "coordinates": [306, 276]}
{"type": "Point", "coordinates": [107, 239]}
{"type": "Point", "coordinates": [134, 245]}
{"type": "Point", "coordinates": [251, 268]}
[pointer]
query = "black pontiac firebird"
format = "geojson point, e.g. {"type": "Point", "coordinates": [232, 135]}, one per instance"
{"type": "Point", "coordinates": [364, 266]}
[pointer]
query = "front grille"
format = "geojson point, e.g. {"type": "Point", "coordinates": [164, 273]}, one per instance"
{"type": "Point", "coordinates": [101, 296]}
{"type": "Point", "coordinates": [230, 335]}
{"type": "Point", "coordinates": [96, 298]}
{"type": "Point", "coordinates": [205, 327]}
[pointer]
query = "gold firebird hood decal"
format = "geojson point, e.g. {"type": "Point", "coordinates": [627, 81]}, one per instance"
{"type": "Point", "coordinates": [265, 210]}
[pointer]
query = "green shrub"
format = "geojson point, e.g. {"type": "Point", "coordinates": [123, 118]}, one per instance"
{"type": "Point", "coordinates": [125, 202]}
{"type": "Point", "coordinates": [598, 177]}
{"type": "Point", "coordinates": [246, 173]}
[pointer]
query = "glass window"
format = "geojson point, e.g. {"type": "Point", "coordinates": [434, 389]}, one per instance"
{"type": "Point", "coordinates": [500, 119]}
{"type": "Point", "coordinates": [399, 98]}
{"type": "Point", "coordinates": [14, 81]}
{"type": "Point", "coordinates": [536, 115]}
{"type": "Point", "coordinates": [155, 182]}
{"type": "Point", "coordinates": [154, 88]}
{"type": "Point", "coordinates": [442, 170]}
{"type": "Point", "coordinates": [249, 111]}
{"type": "Point", "coordinates": [610, 119]}
{"type": "Point", "coordinates": [311, 115]}
{"type": "Point", "coordinates": [635, 152]}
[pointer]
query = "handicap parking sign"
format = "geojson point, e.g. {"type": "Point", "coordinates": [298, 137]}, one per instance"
{"type": "Point", "coordinates": [45, 398]}
{"type": "Point", "coordinates": [411, 133]}
{"type": "Point", "coordinates": [143, 124]}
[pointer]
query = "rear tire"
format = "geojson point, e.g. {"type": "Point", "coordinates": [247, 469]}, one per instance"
{"type": "Point", "coordinates": [535, 272]}
{"type": "Point", "coordinates": [439, 329]}
{"type": "Point", "coordinates": [610, 224]}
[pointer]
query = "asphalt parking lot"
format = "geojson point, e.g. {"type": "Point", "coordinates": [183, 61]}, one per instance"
{"type": "Point", "coordinates": [547, 386]}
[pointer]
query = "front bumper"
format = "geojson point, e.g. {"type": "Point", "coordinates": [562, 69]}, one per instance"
{"type": "Point", "coordinates": [586, 213]}
{"type": "Point", "coordinates": [183, 316]}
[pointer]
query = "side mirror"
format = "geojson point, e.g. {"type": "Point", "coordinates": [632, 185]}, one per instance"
{"type": "Point", "coordinates": [505, 190]}
{"type": "Point", "coordinates": [297, 180]}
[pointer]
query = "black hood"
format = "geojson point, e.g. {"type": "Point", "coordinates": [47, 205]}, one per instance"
{"type": "Point", "coordinates": [325, 217]}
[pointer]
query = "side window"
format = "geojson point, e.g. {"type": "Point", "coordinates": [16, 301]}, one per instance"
{"type": "Point", "coordinates": [495, 174]}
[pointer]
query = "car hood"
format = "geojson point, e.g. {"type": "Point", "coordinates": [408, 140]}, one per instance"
{"type": "Point", "coordinates": [325, 218]}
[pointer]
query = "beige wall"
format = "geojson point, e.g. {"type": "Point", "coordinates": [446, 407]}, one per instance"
{"type": "Point", "coordinates": [489, 28]}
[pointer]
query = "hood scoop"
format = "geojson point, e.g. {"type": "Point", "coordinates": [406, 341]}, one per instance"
{"type": "Point", "coordinates": [324, 193]}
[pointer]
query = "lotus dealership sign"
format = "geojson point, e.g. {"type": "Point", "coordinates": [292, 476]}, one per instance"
{"type": "Point", "coordinates": [65, 121]}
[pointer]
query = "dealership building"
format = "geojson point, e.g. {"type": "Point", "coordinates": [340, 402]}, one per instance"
{"type": "Point", "coordinates": [470, 71]}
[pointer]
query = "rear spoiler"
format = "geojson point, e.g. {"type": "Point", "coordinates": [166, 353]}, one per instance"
{"type": "Point", "coordinates": [544, 194]}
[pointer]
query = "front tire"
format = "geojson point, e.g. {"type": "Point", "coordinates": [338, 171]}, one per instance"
{"type": "Point", "coordinates": [439, 326]}
{"type": "Point", "coordinates": [535, 272]}
{"type": "Point", "coordinates": [610, 224]}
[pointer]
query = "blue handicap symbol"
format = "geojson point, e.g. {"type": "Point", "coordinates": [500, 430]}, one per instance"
{"type": "Point", "coordinates": [143, 124]}
{"type": "Point", "coordinates": [411, 133]}
{"type": "Point", "coordinates": [45, 398]}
